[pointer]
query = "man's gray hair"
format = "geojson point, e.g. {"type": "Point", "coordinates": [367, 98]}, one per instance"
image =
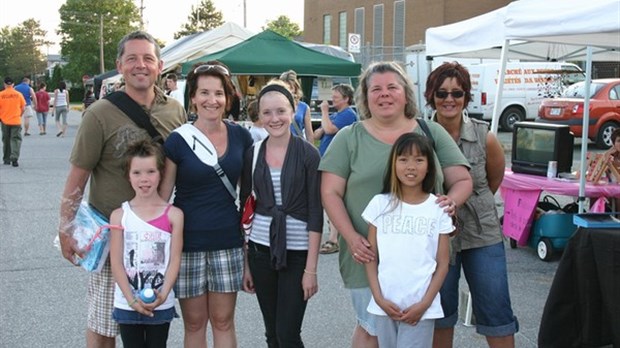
{"type": "Point", "coordinates": [137, 35]}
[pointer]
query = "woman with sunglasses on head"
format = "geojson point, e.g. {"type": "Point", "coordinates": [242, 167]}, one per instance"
{"type": "Point", "coordinates": [353, 169]}
{"type": "Point", "coordinates": [212, 262]}
{"type": "Point", "coordinates": [283, 246]}
{"type": "Point", "coordinates": [302, 123]}
{"type": "Point", "coordinates": [479, 245]}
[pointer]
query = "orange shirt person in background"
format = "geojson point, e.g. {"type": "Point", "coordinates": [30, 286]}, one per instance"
{"type": "Point", "coordinates": [12, 105]}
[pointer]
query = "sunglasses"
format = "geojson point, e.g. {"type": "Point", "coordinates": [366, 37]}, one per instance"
{"type": "Point", "coordinates": [444, 94]}
{"type": "Point", "coordinates": [207, 67]}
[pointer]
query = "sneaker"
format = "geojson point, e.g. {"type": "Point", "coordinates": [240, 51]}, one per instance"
{"type": "Point", "coordinates": [7, 162]}
{"type": "Point", "coordinates": [329, 248]}
{"type": "Point", "coordinates": [26, 134]}
{"type": "Point", "coordinates": [15, 164]}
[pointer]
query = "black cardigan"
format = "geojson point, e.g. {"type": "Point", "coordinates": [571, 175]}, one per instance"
{"type": "Point", "coordinates": [301, 198]}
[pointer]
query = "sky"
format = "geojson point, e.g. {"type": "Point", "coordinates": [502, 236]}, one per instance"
{"type": "Point", "coordinates": [161, 17]}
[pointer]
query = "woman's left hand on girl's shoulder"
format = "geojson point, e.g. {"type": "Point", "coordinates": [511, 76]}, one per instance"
{"type": "Point", "coordinates": [447, 203]}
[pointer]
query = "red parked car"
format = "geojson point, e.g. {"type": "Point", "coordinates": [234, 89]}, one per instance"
{"type": "Point", "coordinates": [604, 110]}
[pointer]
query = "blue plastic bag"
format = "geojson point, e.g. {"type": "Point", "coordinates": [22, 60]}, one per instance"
{"type": "Point", "coordinates": [92, 234]}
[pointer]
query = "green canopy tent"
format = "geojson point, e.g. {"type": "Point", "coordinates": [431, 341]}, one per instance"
{"type": "Point", "coordinates": [269, 53]}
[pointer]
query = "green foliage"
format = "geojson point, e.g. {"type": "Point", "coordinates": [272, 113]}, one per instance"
{"type": "Point", "coordinates": [76, 94]}
{"type": "Point", "coordinates": [56, 78]}
{"type": "Point", "coordinates": [285, 27]}
{"type": "Point", "coordinates": [21, 50]}
{"type": "Point", "coordinates": [80, 34]}
{"type": "Point", "coordinates": [202, 18]}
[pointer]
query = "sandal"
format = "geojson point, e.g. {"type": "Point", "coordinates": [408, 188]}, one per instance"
{"type": "Point", "coordinates": [329, 247]}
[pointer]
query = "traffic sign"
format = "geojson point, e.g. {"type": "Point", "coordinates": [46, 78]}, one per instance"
{"type": "Point", "coordinates": [354, 42]}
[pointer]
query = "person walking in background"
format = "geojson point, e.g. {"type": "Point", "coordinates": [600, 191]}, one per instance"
{"type": "Point", "coordinates": [342, 99]}
{"type": "Point", "coordinates": [61, 108]}
{"type": "Point", "coordinates": [479, 244]}
{"type": "Point", "coordinates": [283, 245]}
{"type": "Point", "coordinates": [409, 234]}
{"type": "Point", "coordinates": [173, 90]}
{"type": "Point", "coordinates": [43, 107]}
{"type": "Point", "coordinates": [101, 140]}
{"type": "Point", "coordinates": [152, 231]}
{"type": "Point", "coordinates": [12, 105]}
{"type": "Point", "coordinates": [31, 100]}
{"type": "Point", "coordinates": [257, 130]}
{"type": "Point", "coordinates": [212, 261]}
{"type": "Point", "coordinates": [302, 122]}
{"type": "Point", "coordinates": [89, 98]}
{"type": "Point", "coordinates": [353, 169]}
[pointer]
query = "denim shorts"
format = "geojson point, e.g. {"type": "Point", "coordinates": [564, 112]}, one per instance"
{"type": "Point", "coordinates": [210, 271]}
{"type": "Point", "coordinates": [361, 298]}
{"type": "Point", "coordinates": [486, 275]}
{"type": "Point", "coordinates": [134, 318]}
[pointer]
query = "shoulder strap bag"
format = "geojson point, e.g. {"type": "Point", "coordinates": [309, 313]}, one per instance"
{"type": "Point", "coordinates": [135, 112]}
{"type": "Point", "coordinates": [205, 152]}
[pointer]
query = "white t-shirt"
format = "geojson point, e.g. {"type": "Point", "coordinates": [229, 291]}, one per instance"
{"type": "Point", "coordinates": [258, 133]}
{"type": "Point", "coordinates": [407, 241]}
{"type": "Point", "coordinates": [146, 254]}
{"type": "Point", "coordinates": [178, 95]}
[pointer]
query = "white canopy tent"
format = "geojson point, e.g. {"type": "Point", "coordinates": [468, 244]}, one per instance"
{"type": "Point", "coordinates": [483, 36]}
{"type": "Point", "coordinates": [200, 44]}
{"type": "Point", "coordinates": [595, 23]}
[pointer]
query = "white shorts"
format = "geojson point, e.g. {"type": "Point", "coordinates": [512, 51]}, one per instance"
{"type": "Point", "coordinates": [28, 112]}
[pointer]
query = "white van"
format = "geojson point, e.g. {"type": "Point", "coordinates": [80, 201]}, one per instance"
{"type": "Point", "coordinates": [526, 84]}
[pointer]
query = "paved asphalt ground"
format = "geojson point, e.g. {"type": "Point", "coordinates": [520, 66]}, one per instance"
{"type": "Point", "coordinates": [42, 297]}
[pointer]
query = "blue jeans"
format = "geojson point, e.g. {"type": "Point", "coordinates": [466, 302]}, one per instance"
{"type": "Point", "coordinates": [486, 275]}
{"type": "Point", "coordinates": [280, 295]}
{"type": "Point", "coordinates": [42, 117]}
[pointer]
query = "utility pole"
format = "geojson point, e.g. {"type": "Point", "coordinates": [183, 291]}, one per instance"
{"type": "Point", "coordinates": [245, 16]}
{"type": "Point", "coordinates": [142, 14]}
{"type": "Point", "coordinates": [101, 43]}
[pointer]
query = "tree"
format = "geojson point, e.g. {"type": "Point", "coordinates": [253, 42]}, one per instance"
{"type": "Point", "coordinates": [80, 34]}
{"type": "Point", "coordinates": [56, 78]}
{"type": "Point", "coordinates": [202, 18]}
{"type": "Point", "coordinates": [21, 50]}
{"type": "Point", "coordinates": [285, 27]}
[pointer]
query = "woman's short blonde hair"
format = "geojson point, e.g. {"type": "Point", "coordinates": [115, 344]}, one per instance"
{"type": "Point", "coordinates": [361, 94]}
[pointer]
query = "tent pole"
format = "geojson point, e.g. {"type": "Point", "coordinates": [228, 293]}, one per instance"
{"type": "Point", "coordinates": [584, 132]}
{"type": "Point", "coordinates": [500, 86]}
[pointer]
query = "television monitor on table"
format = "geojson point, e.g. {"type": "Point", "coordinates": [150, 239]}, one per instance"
{"type": "Point", "coordinates": [534, 144]}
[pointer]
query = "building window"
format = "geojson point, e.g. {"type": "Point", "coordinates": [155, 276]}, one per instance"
{"type": "Point", "coordinates": [342, 30]}
{"type": "Point", "coordinates": [399, 31]}
{"type": "Point", "coordinates": [377, 30]}
{"type": "Point", "coordinates": [377, 33]}
{"type": "Point", "coordinates": [327, 29]}
{"type": "Point", "coordinates": [359, 23]}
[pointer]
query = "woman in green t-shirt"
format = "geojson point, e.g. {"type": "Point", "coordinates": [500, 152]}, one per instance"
{"type": "Point", "coordinates": [354, 165]}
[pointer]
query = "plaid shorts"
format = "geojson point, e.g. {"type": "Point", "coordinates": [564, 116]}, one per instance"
{"type": "Point", "coordinates": [209, 271]}
{"type": "Point", "coordinates": [101, 302]}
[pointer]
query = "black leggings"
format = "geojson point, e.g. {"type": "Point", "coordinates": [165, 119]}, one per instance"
{"type": "Point", "coordinates": [144, 336]}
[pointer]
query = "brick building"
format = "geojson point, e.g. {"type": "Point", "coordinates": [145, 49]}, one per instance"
{"type": "Point", "coordinates": [386, 27]}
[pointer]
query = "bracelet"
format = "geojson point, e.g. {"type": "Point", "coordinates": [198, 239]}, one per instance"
{"type": "Point", "coordinates": [135, 299]}
{"type": "Point", "coordinates": [309, 272]}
